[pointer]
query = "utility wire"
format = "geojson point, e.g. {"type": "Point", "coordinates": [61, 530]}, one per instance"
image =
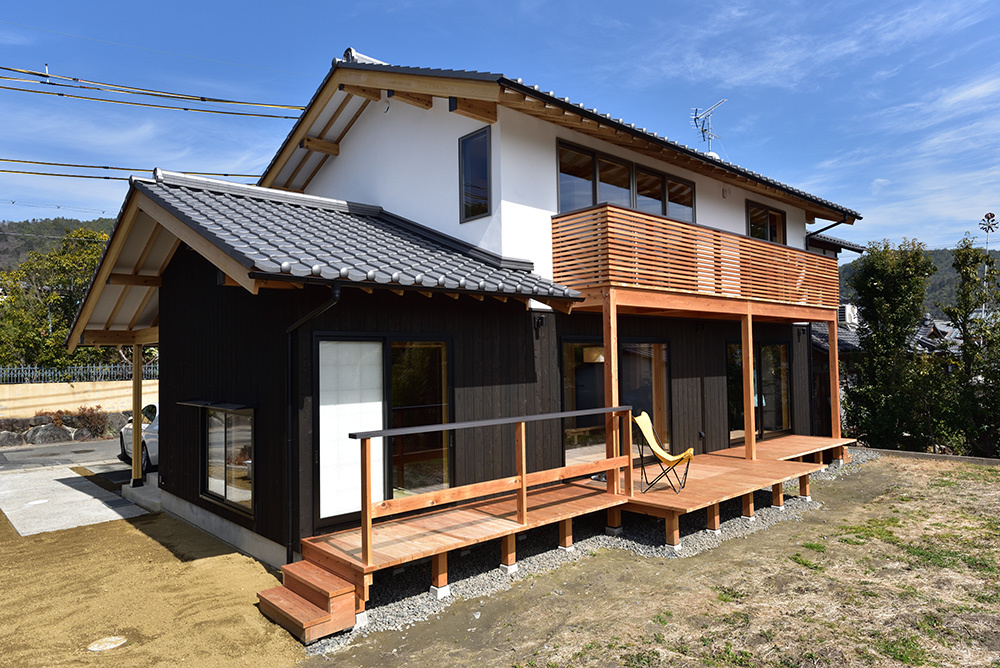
{"type": "Point", "coordinates": [44, 205]}
{"type": "Point", "coordinates": [121, 169]}
{"type": "Point", "coordinates": [68, 176]}
{"type": "Point", "coordinates": [146, 104]}
{"type": "Point", "coordinates": [118, 88]}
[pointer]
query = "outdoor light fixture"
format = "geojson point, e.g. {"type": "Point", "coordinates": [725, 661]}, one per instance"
{"type": "Point", "coordinates": [538, 322]}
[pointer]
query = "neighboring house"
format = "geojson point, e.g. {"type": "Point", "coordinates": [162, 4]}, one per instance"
{"type": "Point", "coordinates": [513, 253]}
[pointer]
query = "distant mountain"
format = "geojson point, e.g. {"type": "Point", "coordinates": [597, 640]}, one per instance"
{"type": "Point", "coordinates": [18, 238]}
{"type": "Point", "coordinates": [941, 285]}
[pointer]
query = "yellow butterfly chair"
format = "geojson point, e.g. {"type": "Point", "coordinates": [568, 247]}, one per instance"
{"type": "Point", "coordinates": [668, 462]}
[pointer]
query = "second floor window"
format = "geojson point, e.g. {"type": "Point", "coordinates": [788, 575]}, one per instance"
{"type": "Point", "coordinates": [474, 174]}
{"type": "Point", "coordinates": [587, 178]}
{"type": "Point", "coordinates": [766, 223]}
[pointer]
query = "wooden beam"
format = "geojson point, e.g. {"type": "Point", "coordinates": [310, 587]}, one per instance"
{"type": "Point", "coordinates": [366, 92]}
{"type": "Point", "coordinates": [566, 533]}
{"type": "Point", "coordinates": [673, 528]}
{"type": "Point", "coordinates": [415, 99]}
{"type": "Point", "coordinates": [132, 279]}
{"type": "Point", "coordinates": [102, 337]}
{"type": "Point", "coordinates": [479, 110]}
{"type": "Point", "coordinates": [834, 380]}
{"type": "Point", "coordinates": [366, 501]}
{"type": "Point", "coordinates": [521, 464]}
{"type": "Point", "coordinates": [422, 84]}
{"type": "Point", "coordinates": [713, 517]}
{"type": "Point", "coordinates": [136, 415]}
{"type": "Point", "coordinates": [508, 550]}
{"type": "Point", "coordinates": [778, 495]}
{"type": "Point", "coordinates": [439, 570]}
{"type": "Point", "coordinates": [804, 486]}
{"type": "Point", "coordinates": [318, 145]}
{"type": "Point", "coordinates": [338, 140]}
{"type": "Point", "coordinates": [749, 391]}
{"type": "Point", "coordinates": [610, 316]}
{"type": "Point", "coordinates": [748, 505]}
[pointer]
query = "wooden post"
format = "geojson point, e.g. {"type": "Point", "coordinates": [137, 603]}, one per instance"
{"type": "Point", "coordinates": [610, 313]}
{"type": "Point", "coordinates": [366, 501]}
{"type": "Point", "coordinates": [834, 380]}
{"type": "Point", "coordinates": [627, 437]}
{"type": "Point", "coordinates": [566, 533]}
{"type": "Point", "coordinates": [749, 408]}
{"type": "Point", "coordinates": [659, 390]}
{"type": "Point", "coordinates": [522, 474]}
{"type": "Point", "coordinates": [508, 553]}
{"type": "Point", "coordinates": [713, 518]}
{"type": "Point", "coordinates": [673, 528]}
{"type": "Point", "coordinates": [804, 486]}
{"type": "Point", "coordinates": [439, 571]}
{"type": "Point", "coordinates": [778, 495]}
{"type": "Point", "coordinates": [136, 415]}
{"type": "Point", "coordinates": [748, 505]}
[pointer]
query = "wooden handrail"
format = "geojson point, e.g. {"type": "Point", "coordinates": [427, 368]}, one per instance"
{"type": "Point", "coordinates": [608, 245]}
{"type": "Point", "coordinates": [518, 483]}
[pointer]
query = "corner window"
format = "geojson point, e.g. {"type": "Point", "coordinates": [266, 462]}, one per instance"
{"type": "Point", "coordinates": [229, 456]}
{"type": "Point", "coordinates": [587, 178]}
{"type": "Point", "coordinates": [765, 223]}
{"type": "Point", "coordinates": [474, 174]}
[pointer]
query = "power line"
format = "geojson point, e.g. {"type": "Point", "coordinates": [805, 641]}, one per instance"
{"type": "Point", "coordinates": [122, 169]}
{"type": "Point", "coordinates": [119, 88]}
{"type": "Point", "coordinates": [51, 206]}
{"type": "Point", "coordinates": [68, 176]}
{"type": "Point", "coordinates": [146, 104]}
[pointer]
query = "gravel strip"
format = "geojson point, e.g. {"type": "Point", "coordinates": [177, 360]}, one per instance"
{"type": "Point", "coordinates": [400, 598]}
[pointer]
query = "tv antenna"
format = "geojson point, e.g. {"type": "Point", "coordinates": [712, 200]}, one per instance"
{"type": "Point", "coordinates": [702, 122]}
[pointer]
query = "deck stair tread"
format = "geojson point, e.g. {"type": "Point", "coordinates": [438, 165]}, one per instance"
{"type": "Point", "coordinates": [303, 619]}
{"type": "Point", "coordinates": [314, 583]}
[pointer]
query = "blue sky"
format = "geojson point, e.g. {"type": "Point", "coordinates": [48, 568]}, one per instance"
{"type": "Point", "coordinates": [889, 108]}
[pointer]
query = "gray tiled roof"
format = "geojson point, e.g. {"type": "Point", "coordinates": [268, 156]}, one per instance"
{"type": "Point", "coordinates": [578, 108]}
{"type": "Point", "coordinates": [320, 239]}
{"type": "Point", "coordinates": [834, 241]}
{"type": "Point", "coordinates": [847, 337]}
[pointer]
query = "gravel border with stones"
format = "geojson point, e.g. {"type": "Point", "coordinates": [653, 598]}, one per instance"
{"type": "Point", "coordinates": [400, 597]}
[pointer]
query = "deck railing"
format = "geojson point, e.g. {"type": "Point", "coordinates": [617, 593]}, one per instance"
{"type": "Point", "coordinates": [518, 483]}
{"type": "Point", "coordinates": [607, 245]}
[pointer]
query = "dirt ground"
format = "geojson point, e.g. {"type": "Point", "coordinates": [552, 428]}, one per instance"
{"type": "Point", "coordinates": [900, 567]}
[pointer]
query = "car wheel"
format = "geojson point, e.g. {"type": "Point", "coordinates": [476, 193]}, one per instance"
{"type": "Point", "coordinates": [121, 439]}
{"type": "Point", "coordinates": [145, 460]}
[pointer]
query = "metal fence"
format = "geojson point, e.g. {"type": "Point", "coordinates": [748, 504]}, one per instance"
{"type": "Point", "coordinates": [80, 373]}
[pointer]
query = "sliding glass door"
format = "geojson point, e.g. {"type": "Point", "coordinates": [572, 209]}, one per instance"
{"type": "Point", "coordinates": [772, 392]}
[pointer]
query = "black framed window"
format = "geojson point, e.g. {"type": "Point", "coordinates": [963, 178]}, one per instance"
{"type": "Point", "coordinates": [474, 174]}
{"type": "Point", "coordinates": [587, 178]}
{"type": "Point", "coordinates": [228, 451]}
{"type": "Point", "coordinates": [767, 223]}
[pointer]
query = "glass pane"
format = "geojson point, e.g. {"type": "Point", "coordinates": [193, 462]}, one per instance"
{"type": "Point", "coordinates": [776, 226]}
{"type": "Point", "coordinates": [350, 400]}
{"type": "Point", "coordinates": [216, 483]}
{"type": "Point", "coordinates": [475, 175]}
{"type": "Point", "coordinates": [642, 372]}
{"type": "Point", "coordinates": [239, 459]}
{"type": "Point", "coordinates": [681, 204]}
{"type": "Point", "coordinates": [583, 389]}
{"type": "Point", "coordinates": [758, 222]}
{"type": "Point", "coordinates": [576, 180]}
{"type": "Point", "coordinates": [734, 385]}
{"type": "Point", "coordinates": [615, 185]}
{"type": "Point", "coordinates": [649, 192]}
{"type": "Point", "coordinates": [419, 397]}
{"type": "Point", "coordinates": [773, 377]}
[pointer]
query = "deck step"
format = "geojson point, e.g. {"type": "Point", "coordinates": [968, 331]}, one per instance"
{"type": "Point", "coordinates": [301, 618]}
{"type": "Point", "coordinates": [316, 584]}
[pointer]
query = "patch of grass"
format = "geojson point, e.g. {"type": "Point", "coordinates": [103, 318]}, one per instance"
{"type": "Point", "coordinates": [730, 657]}
{"type": "Point", "coordinates": [730, 594]}
{"type": "Point", "coordinates": [902, 648]}
{"type": "Point", "coordinates": [943, 482]}
{"type": "Point", "coordinates": [650, 657]}
{"type": "Point", "coordinates": [880, 528]}
{"type": "Point", "coordinates": [852, 541]}
{"type": "Point", "coordinates": [663, 618]}
{"type": "Point", "coordinates": [802, 561]}
{"type": "Point", "coordinates": [932, 626]}
{"type": "Point", "coordinates": [991, 597]}
{"type": "Point", "coordinates": [815, 547]}
{"type": "Point", "coordinates": [929, 555]}
{"type": "Point", "coordinates": [982, 474]}
{"type": "Point", "coordinates": [738, 618]}
{"type": "Point", "coordinates": [768, 634]}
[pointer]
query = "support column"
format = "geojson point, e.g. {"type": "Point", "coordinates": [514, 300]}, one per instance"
{"type": "Point", "coordinates": [610, 316]}
{"type": "Point", "coordinates": [439, 576]}
{"type": "Point", "coordinates": [137, 476]}
{"type": "Point", "coordinates": [566, 535]}
{"type": "Point", "coordinates": [714, 524]}
{"type": "Point", "coordinates": [839, 454]}
{"type": "Point", "coordinates": [749, 423]}
{"type": "Point", "coordinates": [778, 496]}
{"type": "Point", "coordinates": [804, 487]}
{"type": "Point", "coordinates": [508, 554]}
{"type": "Point", "coordinates": [673, 530]}
{"type": "Point", "coordinates": [748, 507]}
{"type": "Point", "coordinates": [614, 526]}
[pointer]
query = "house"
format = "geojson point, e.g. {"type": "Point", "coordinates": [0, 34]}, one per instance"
{"type": "Point", "coordinates": [437, 246]}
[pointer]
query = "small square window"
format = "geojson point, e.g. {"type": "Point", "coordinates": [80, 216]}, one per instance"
{"type": "Point", "coordinates": [474, 174]}
{"type": "Point", "coordinates": [229, 456]}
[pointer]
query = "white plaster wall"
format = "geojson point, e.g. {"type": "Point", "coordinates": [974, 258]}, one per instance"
{"type": "Point", "coordinates": [406, 161]}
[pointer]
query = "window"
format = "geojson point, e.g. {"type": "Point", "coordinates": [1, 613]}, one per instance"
{"type": "Point", "coordinates": [765, 223]}
{"type": "Point", "coordinates": [587, 178]}
{"type": "Point", "coordinates": [772, 391]}
{"type": "Point", "coordinates": [229, 456]}
{"type": "Point", "coordinates": [474, 174]}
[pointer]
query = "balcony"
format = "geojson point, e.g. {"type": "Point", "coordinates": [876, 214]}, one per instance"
{"type": "Point", "coordinates": [609, 246]}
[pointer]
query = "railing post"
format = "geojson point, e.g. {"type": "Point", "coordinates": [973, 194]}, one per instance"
{"type": "Point", "coordinates": [522, 473]}
{"type": "Point", "coordinates": [627, 441]}
{"type": "Point", "coordinates": [366, 501]}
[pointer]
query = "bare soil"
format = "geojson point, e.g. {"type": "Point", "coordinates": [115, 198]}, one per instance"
{"type": "Point", "coordinates": [901, 566]}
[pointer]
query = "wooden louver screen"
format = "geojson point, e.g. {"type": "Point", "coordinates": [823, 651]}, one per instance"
{"type": "Point", "coordinates": [609, 245]}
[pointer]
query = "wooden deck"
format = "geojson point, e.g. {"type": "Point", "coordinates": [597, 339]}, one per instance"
{"type": "Point", "coordinates": [787, 447]}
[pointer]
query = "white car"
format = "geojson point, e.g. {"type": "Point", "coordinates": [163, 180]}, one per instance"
{"type": "Point", "coordinates": [150, 439]}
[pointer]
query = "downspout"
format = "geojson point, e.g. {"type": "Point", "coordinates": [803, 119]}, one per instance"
{"type": "Point", "coordinates": [290, 411]}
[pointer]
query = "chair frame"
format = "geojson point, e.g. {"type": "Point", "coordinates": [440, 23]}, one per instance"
{"type": "Point", "coordinates": [665, 470]}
